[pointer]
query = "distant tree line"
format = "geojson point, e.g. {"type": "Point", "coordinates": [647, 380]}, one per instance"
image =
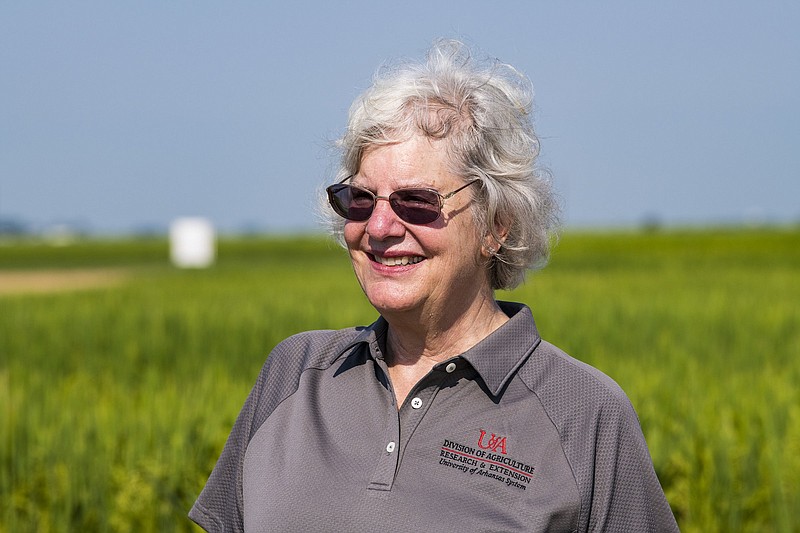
{"type": "Point", "coordinates": [9, 226]}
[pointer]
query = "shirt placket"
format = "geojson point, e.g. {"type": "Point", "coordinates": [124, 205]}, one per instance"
{"type": "Point", "coordinates": [403, 422]}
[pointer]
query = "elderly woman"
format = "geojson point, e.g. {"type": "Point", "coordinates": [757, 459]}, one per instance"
{"type": "Point", "coordinates": [448, 413]}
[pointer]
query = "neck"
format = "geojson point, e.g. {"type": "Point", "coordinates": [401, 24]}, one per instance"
{"type": "Point", "coordinates": [416, 344]}
{"type": "Point", "coordinates": [427, 338]}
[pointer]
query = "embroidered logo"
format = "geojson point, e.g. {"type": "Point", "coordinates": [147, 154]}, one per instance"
{"type": "Point", "coordinates": [490, 460]}
{"type": "Point", "coordinates": [493, 443]}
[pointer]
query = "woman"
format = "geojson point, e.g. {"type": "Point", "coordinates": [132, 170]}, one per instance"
{"type": "Point", "coordinates": [449, 413]}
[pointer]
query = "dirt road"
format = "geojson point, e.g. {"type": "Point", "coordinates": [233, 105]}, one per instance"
{"type": "Point", "coordinates": [45, 281]}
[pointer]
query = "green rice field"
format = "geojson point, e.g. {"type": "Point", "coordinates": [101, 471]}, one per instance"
{"type": "Point", "coordinates": [117, 395]}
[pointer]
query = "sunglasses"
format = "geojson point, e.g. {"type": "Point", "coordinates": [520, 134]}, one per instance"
{"type": "Point", "coordinates": [415, 206]}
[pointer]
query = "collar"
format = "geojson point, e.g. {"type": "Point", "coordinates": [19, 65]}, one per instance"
{"type": "Point", "coordinates": [373, 335]}
{"type": "Point", "coordinates": [496, 358]}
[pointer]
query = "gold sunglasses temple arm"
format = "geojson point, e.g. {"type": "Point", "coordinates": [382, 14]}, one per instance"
{"type": "Point", "coordinates": [451, 194]}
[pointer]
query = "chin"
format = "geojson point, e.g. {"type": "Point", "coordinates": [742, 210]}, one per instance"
{"type": "Point", "coordinates": [388, 304]}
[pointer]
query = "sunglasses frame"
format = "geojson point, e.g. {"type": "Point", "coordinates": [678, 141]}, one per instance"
{"type": "Point", "coordinates": [333, 189]}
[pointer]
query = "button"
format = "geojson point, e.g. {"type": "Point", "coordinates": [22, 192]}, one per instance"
{"type": "Point", "coordinates": [390, 447]}
{"type": "Point", "coordinates": [416, 403]}
{"type": "Point", "coordinates": [450, 368]}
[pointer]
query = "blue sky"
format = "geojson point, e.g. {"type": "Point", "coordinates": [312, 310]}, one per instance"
{"type": "Point", "coordinates": [119, 116]}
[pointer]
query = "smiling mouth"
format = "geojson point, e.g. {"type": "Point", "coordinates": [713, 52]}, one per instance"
{"type": "Point", "coordinates": [398, 261]}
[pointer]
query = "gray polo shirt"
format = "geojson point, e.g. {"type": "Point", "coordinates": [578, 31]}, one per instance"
{"type": "Point", "coordinates": [512, 435]}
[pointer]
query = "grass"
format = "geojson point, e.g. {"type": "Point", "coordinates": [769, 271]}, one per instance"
{"type": "Point", "coordinates": [115, 402]}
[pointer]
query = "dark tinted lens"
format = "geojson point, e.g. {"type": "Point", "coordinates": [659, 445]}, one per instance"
{"type": "Point", "coordinates": [351, 202]}
{"type": "Point", "coordinates": [361, 204]}
{"type": "Point", "coordinates": [415, 206]}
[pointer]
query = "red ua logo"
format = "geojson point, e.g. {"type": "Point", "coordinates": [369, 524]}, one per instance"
{"type": "Point", "coordinates": [493, 443]}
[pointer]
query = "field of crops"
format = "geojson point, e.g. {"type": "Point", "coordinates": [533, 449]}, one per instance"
{"type": "Point", "coordinates": [115, 400]}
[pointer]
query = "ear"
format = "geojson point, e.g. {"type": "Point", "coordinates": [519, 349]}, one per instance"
{"type": "Point", "coordinates": [492, 242]}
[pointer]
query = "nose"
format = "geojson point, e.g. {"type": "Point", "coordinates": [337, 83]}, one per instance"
{"type": "Point", "coordinates": [384, 222]}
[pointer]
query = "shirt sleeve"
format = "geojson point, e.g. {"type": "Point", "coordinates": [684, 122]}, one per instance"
{"type": "Point", "coordinates": [219, 507]}
{"type": "Point", "coordinates": [626, 493]}
{"type": "Point", "coordinates": [603, 443]}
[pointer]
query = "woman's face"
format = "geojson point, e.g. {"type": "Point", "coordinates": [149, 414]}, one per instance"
{"type": "Point", "coordinates": [436, 269]}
